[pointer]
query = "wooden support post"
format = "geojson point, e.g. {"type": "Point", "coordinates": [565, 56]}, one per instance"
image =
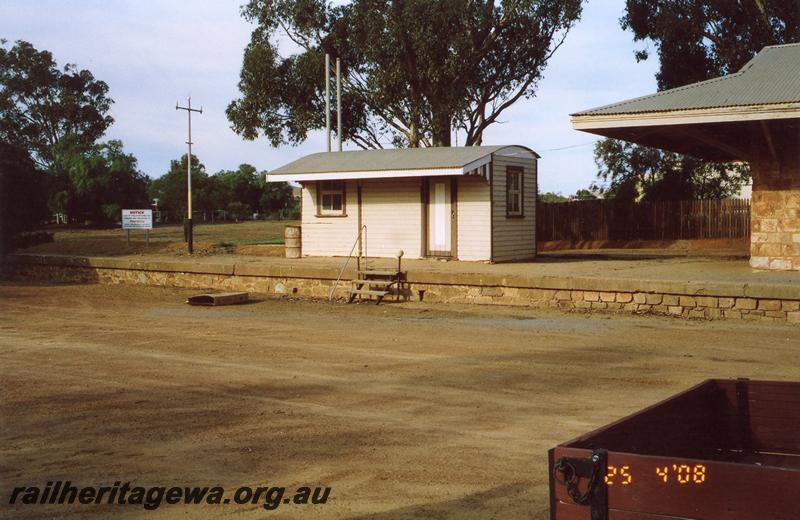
{"type": "Point", "coordinates": [768, 139]}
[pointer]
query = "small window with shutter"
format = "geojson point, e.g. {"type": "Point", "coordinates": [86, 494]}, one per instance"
{"type": "Point", "coordinates": [514, 199]}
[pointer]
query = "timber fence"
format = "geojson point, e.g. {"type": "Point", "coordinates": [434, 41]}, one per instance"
{"type": "Point", "coordinates": [661, 220]}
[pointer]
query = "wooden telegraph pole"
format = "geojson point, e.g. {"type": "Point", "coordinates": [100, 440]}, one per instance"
{"type": "Point", "coordinates": [187, 225]}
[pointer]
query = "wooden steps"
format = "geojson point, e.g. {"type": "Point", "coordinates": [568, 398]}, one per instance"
{"type": "Point", "coordinates": [376, 284]}
{"type": "Point", "coordinates": [380, 273]}
{"type": "Point", "coordinates": [368, 292]}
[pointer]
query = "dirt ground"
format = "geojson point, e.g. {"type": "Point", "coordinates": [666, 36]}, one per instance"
{"type": "Point", "coordinates": [405, 411]}
{"type": "Point", "coordinates": [705, 247]}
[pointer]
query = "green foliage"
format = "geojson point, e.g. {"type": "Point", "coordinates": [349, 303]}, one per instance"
{"type": "Point", "coordinates": [95, 181]}
{"type": "Point", "coordinates": [240, 186]}
{"type": "Point", "coordinates": [40, 104]}
{"type": "Point", "coordinates": [585, 195]}
{"type": "Point", "coordinates": [31, 238]}
{"type": "Point", "coordinates": [632, 172]}
{"type": "Point", "coordinates": [247, 187]}
{"type": "Point", "coordinates": [276, 197]}
{"type": "Point", "coordinates": [550, 196]}
{"type": "Point", "coordinates": [702, 39]}
{"type": "Point", "coordinates": [55, 116]}
{"type": "Point", "coordinates": [170, 188]}
{"type": "Point", "coordinates": [238, 210]}
{"type": "Point", "coordinates": [240, 192]}
{"type": "Point", "coordinates": [23, 199]}
{"type": "Point", "coordinates": [293, 210]}
{"type": "Point", "coordinates": [413, 69]}
{"type": "Point", "coordinates": [695, 40]}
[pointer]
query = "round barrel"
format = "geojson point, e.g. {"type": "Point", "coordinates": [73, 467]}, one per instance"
{"type": "Point", "coordinates": [291, 241]}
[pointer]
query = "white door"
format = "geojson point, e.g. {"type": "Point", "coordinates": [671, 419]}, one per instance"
{"type": "Point", "coordinates": [439, 218]}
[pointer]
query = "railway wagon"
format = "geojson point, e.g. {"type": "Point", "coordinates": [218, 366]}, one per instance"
{"type": "Point", "coordinates": [722, 450]}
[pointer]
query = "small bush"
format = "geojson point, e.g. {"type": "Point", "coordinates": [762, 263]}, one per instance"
{"type": "Point", "coordinates": [227, 247]}
{"type": "Point", "coordinates": [32, 238]}
{"type": "Point", "coordinates": [293, 212]}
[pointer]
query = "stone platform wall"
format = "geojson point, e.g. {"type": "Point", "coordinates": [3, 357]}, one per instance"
{"type": "Point", "coordinates": [666, 304]}
{"type": "Point", "coordinates": [707, 302]}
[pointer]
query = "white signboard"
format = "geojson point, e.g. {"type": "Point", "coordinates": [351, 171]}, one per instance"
{"type": "Point", "coordinates": [137, 219]}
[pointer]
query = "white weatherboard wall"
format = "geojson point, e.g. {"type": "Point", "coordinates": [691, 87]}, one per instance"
{"type": "Point", "coordinates": [328, 236]}
{"type": "Point", "coordinates": [473, 215]}
{"type": "Point", "coordinates": [391, 209]}
{"type": "Point", "coordinates": [514, 238]}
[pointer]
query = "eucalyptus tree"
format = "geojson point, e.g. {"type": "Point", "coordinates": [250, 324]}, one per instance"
{"type": "Point", "coordinates": [414, 70]}
{"type": "Point", "coordinates": [41, 104]}
{"type": "Point", "coordinates": [694, 40]}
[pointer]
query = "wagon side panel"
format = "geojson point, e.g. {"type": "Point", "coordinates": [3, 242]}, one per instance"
{"type": "Point", "coordinates": [686, 488]}
{"type": "Point", "coordinates": [761, 416]}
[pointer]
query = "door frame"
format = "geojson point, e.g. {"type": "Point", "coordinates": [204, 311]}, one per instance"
{"type": "Point", "coordinates": [425, 196]}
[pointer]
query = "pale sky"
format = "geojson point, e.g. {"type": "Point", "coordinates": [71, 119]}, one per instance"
{"type": "Point", "coordinates": [154, 53]}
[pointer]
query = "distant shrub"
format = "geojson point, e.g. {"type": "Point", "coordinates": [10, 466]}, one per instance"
{"type": "Point", "coordinates": [32, 238]}
{"type": "Point", "coordinates": [293, 212]}
{"type": "Point", "coordinates": [227, 247]}
{"type": "Point", "coordinates": [239, 211]}
{"type": "Point", "coordinates": [23, 195]}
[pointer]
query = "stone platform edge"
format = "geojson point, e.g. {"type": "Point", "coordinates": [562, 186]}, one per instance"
{"type": "Point", "coordinates": [712, 300]}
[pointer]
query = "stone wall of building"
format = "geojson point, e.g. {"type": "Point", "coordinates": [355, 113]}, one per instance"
{"type": "Point", "coordinates": [775, 210]}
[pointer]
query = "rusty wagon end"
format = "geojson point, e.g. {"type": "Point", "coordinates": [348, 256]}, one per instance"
{"type": "Point", "coordinates": [725, 449]}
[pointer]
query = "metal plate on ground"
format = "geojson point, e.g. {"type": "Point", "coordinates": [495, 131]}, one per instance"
{"type": "Point", "coordinates": [214, 299]}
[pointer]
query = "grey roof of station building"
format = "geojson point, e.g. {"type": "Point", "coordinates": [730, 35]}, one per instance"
{"type": "Point", "coordinates": [771, 77]}
{"type": "Point", "coordinates": [390, 159]}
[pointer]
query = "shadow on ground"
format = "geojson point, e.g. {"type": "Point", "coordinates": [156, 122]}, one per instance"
{"type": "Point", "coordinates": [506, 501]}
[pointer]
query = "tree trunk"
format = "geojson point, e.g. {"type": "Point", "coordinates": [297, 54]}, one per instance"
{"type": "Point", "coordinates": [481, 121]}
{"type": "Point", "coordinates": [441, 129]}
{"type": "Point", "coordinates": [413, 136]}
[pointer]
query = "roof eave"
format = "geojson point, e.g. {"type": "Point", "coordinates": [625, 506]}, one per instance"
{"type": "Point", "coordinates": [367, 174]}
{"type": "Point", "coordinates": [589, 122]}
{"type": "Point", "coordinates": [517, 150]}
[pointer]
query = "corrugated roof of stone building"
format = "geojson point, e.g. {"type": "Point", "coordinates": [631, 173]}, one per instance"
{"type": "Point", "coordinates": [771, 77]}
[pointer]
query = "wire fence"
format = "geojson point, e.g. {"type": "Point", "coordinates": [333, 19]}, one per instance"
{"type": "Point", "coordinates": [218, 216]}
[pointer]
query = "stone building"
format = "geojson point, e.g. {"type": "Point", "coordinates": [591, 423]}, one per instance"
{"type": "Point", "coordinates": [752, 115]}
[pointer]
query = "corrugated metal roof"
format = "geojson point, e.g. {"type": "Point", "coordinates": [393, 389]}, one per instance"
{"type": "Point", "coordinates": [771, 77]}
{"type": "Point", "coordinates": [388, 159]}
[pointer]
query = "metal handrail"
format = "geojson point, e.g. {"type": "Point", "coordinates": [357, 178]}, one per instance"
{"type": "Point", "coordinates": [362, 231]}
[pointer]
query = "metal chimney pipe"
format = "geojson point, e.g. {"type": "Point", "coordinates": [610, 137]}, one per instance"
{"type": "Point", "coordinates": [339, 102]}
{"type": "Point", "coordinates": [328, 98]}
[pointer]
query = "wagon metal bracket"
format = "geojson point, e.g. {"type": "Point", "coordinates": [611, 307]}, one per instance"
{"type": "Point", "coordinates": [743, 405]}
{"type": "Point", "coordinates": [568, 471]}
